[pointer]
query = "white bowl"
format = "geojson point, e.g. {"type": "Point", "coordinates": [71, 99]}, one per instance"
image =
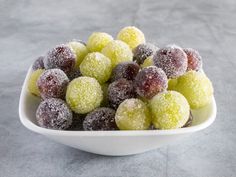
{"type": "Point", "coordinates": [114, 143]}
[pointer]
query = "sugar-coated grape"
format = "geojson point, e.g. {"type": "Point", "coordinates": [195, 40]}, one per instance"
{"type": "Point", "coordinates": [133, 114]}
{"type": "Point", "coordinates": [127, 70]}
{"type": "Point", "coordinates": [172, 59]}
{"type": "Point", "coordinates": [53, 113]}
{"type": "Point", "coordinates": [120, 90]}
{"type": "Point", "coordinates": [142, 51]}
{"type": "Point", "coordinates": [147, 62]}
{"type": "Point", "coordinates": [74, 74]}
{"type": "Point", "coordinates": [98, 40]}
{"type": "Point", "coordinates": [80, 50]}
{"type": "Point", "coordinates": [131, 36]}
{"type": "Point", "coordinates": [52, 83]}
{"type": "Point", "coordinates": [194, 59]}
{"type": "Point", "coordinates": [100, 119]}
{"type": "Point", "coordinates": [38, 63]}
{"type": "Point", "coordinates": [84, 94]}
{"type": "Point", "coordinates": [61, 57]}
{"type": "Point", "coordinates": [32, 82]}
{"type": "Point", "coordinates": [96, 65]}
{"type": "Point", "coordinates": [118, 52]}
{"type": "Point", "coordinates": [170, 110]}
{"type": "Point", "coordinates": [196, 87]}
{"type": "Point", "coordinates": [150, 81]}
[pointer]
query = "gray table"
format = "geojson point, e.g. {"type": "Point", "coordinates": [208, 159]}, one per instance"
{"type": "Point", "coordinates": [29, 28]}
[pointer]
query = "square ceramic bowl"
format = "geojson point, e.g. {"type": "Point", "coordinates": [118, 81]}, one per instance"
{"type": "Point", "coordinates": [113, 143]}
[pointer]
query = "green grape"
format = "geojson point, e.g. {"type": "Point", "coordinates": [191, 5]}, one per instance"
{"type": "Point", "coordinates": [196, 87]}
{"type": "Point", "coordinates": [32, 82]}
{"type": "Point", "coordinates": [96, 65]}
{"type": "Point", "coordinates": [80, 51]}
{"type": "Point", "coordinates": [98, 40]}
{"type": "Point", "coordinates": [147, 62]}
{"type": "Point", "coordinates": [170, 110]}
{"type": "Point", "coordinates": [118, 52]}
{"type": "Point", "coordinates": [133, 114]}
{"type": "Point", "coordinates": [84, 94]}
{"type": "Point", "coordinates": [131, 36]}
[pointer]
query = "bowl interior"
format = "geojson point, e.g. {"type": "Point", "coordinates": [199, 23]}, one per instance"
{"type": "Point", "coordinates": [28, 104]}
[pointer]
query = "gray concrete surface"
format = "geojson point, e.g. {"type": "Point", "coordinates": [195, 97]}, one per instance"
{"type": "Point", "coordinates": [29, 28]}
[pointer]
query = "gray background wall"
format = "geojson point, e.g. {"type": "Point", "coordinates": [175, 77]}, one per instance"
{"type": "Point", "coordinates": [29, 28]}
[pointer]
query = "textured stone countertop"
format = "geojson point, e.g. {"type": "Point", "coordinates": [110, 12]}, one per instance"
{"type": "Point", "coordinates": [29, 28]}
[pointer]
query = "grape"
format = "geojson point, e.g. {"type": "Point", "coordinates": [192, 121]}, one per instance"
{"type": "Point", "coordinates": [172, 59]}
{"type": "Point", "coordinates": [150, 81]}
{"type": "Point", "coordinates": [38, 63]}
{"type": "Point", "coordinates": [74, 74]}
{"type": "Point", "coordinates": [142, 51]}
{"type": "Point", "coordinates": [52, 83]}
{"type": "Point", "coordinates": [147, 62]}
{"type": "Point", "coordinates": [53, 113]}
{"type": "Point", "coordinates": [61, 57]}
{"type": "Point", "coordinates": [98, 40]}
{"type": "Point", "coordinates": [84, 94]}
{"type": "Point", "coordinates": [100, 119]}
{"type": "Point", "coordinates": [194, 59]}
{"type": "Point", "coordinates": [96, 65]}
{"type": "Point", "coordinates": [120, 90]}
{"type": "Point", "coordinates": [131, 36]}
{"type": "Point", "coordinates": [118, 52]}
{"type": "Point", "coordinates": [32, 82]}
{"type": "Point", "coordinates": [80, 50]}
{"type": "Point", "coordinates": [170, 110]}
{"type": "Point", "coordinates": [127, 70]}
{"type": "Point", "coordinates": [196, 87]}
{"type": "Point", "coordinates": [133, 114]}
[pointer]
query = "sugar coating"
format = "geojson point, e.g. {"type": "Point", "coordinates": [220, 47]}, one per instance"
{"type": "Point", "coordinates": [170, 110]}
{"type": "Point", "coordinates": [133, 114]}
{"type": "Point", "coordinates": [38, 63]}
{"type": "Point", "coordinates": [32, 82]}
{"type": "Point", "coordinates": [196, 87]}
{"type": "Point", "coordinates": [54, 113]}
{"type": "Point", "coordinates": [118, 52]}
{"type": "Point", "coordinates": [127, 70]}
{"type": "Point", "coordinates": [194, 59]}
{"type": "Point", "coordinates": [84, 94]}
{"type": "Point", "coordinates": [98, 40]}
{"type": "Point", "coordinates": [150, 81]}
{"type": "Point", "coordinates": [131, 36]}
{"type": "Point", "coordinates": [61, 57]}
{"type": "Point", "coordinates": [80, 50]}
{"type": "Point", "coordinates": [100, 119]}
{"type": "Point", "coordinates": [172, 59]}
{"type": "Point", "coordinates": [120, 90]}
{"type": "Point", "coordinates": [52, 83]}
{"type": "Point", "coordinates": [142, 51]}
{"type": "Point", "coordinates": [96, 65]}
{"type": "Point", "coordinates": [147, 62]}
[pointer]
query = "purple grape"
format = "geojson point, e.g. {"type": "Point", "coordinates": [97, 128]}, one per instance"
{"type": "Point", "coordinates": [100, 119]}
{"type": "Point", "coordinates": [126, 70]}
{"type": "Point", "coordinates": [120, 90]}
{"type": "Point", "coordinates": [53, 113]}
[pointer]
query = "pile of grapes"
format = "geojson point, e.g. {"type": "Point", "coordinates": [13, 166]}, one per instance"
{"type": "Point", "coordinates": [118, 84]}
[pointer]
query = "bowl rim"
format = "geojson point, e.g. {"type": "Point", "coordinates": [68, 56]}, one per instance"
{"type": "Point", "coordinates": [35, 128]}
